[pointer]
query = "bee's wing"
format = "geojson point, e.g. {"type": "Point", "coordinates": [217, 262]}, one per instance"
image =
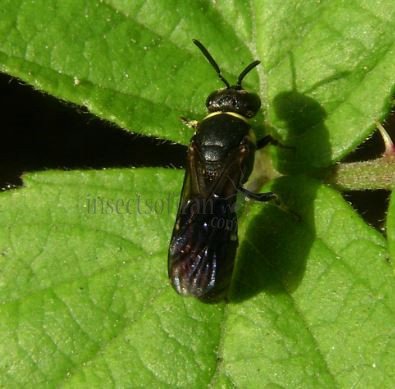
{"type": "Point", "coordinates": [203, 248]}
{"type": "Point", "coordinates": [204, 241]}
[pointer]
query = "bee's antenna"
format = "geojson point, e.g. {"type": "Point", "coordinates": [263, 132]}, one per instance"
{"type": "Point", "coordinates": [213, 63]}
{"type": "Point", "coordinates": [246, 71]}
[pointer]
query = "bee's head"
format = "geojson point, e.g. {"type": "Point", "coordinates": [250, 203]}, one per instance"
{"type": "Point", "coordinates": [232, 98]}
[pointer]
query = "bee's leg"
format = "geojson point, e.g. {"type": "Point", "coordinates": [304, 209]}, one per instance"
{"type": "Point", "coordinates": [269, 196]}
{"type": "Point", "coordinates": [189, 123]}
{"type": "Point", "coordinates": [268, 139]}
{"type": "Point", "coordinates": [263, 197]}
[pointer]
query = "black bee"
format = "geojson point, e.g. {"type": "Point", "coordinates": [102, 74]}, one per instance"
{"type": "Point", "coordinates": [219, 161]}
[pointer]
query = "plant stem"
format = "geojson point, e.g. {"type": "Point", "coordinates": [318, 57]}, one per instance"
{"type": "Point", "coordinates": [368, 175]}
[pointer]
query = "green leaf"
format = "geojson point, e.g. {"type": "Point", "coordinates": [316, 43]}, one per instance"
{"type": "Point", "coordinates": [85, 299]}
{"type": "Point", "coordinates": [326, 78]}
{"type": "Point", "coordinates": [327, 289]}
{"type": "Point", "coordinates": [117, 59]}
{"type": "Point", "coordinates": [390, 228]}
{"type": "Point", "coordinates": [329, 75]}
{"type": "Point", "coordinates": [83, 282]}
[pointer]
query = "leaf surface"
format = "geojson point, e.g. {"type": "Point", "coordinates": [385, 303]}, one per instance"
{"type": "Point", "coordinates": [85, 299]}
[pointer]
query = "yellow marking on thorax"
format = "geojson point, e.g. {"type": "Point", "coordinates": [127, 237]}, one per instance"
{"type": "Point", "coordinates": [236, 115]}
